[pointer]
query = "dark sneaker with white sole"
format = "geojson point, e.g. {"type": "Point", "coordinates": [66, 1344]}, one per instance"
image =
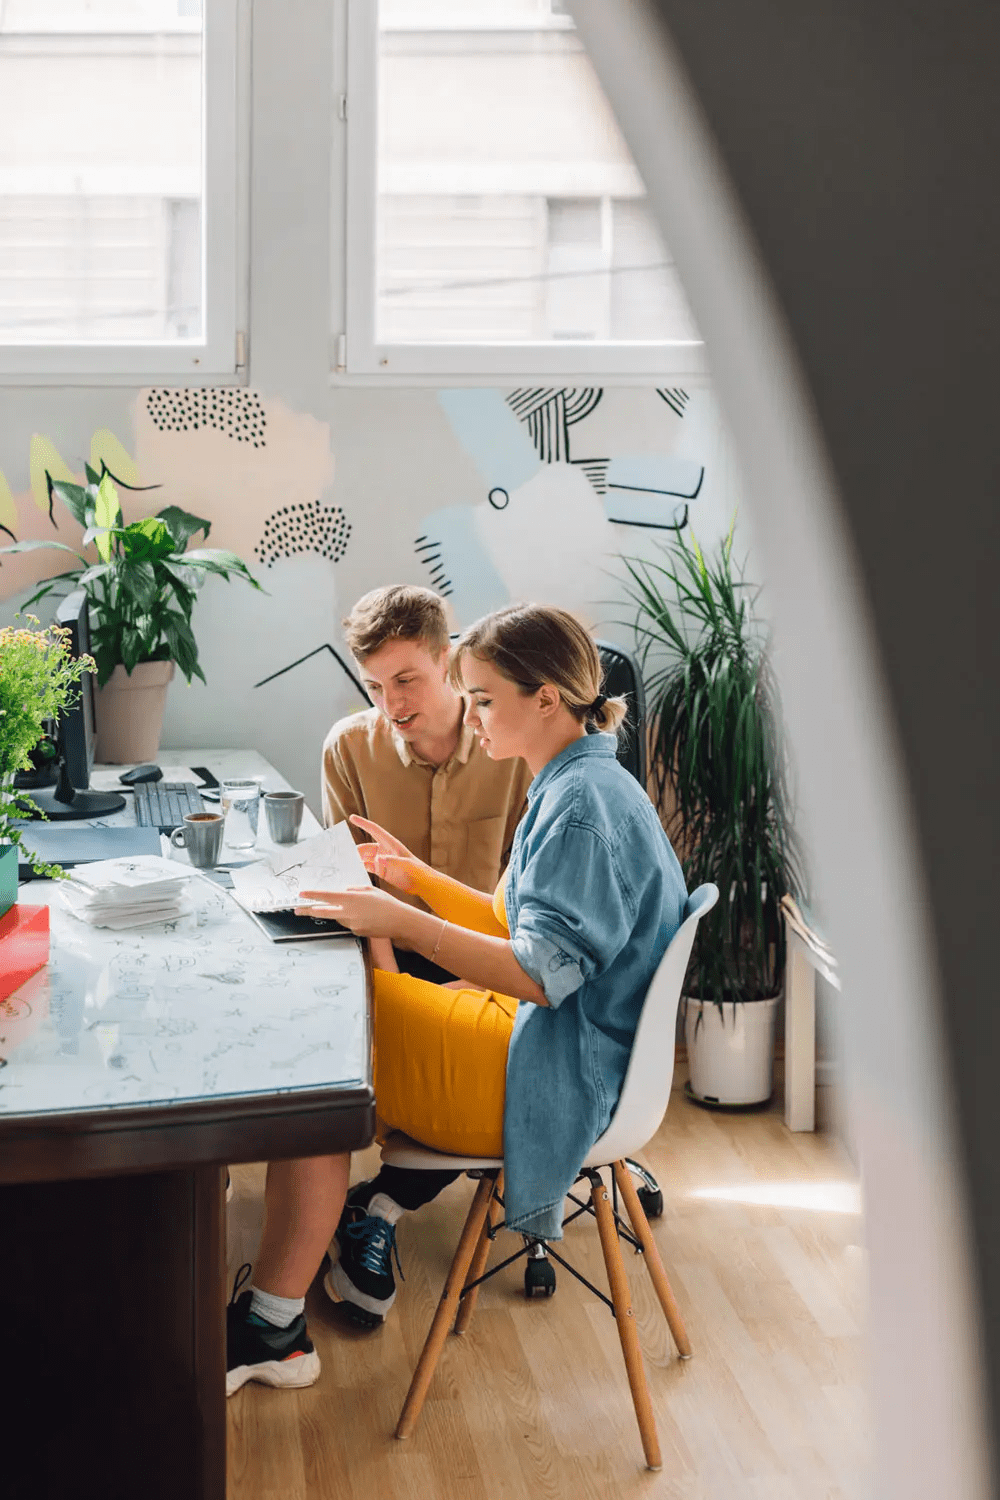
{"type": "Point", "coordinates": [256, 1350]}
{"type": "Point", "coordinates": [360, 1278]}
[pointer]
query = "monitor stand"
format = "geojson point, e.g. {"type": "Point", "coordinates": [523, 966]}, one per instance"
{"type": "Point", "coordinates": [63, 802]}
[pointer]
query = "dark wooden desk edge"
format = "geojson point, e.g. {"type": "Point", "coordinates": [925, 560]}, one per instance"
{"type": "Point", "coordinates": [167, 1138]}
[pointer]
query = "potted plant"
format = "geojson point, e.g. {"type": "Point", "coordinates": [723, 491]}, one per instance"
{"type": "Point", "coordinates": [141, 584]}
{"type": "Point", "coordinates": [38, 680]}
{"type": "Point", "coordinates": [720, 779]}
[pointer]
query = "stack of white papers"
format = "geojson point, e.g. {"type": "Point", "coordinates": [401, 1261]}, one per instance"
{"type": "Point", "coordinates": [122, 893]}
{"type": "Point", "coordinates": [328, 862]}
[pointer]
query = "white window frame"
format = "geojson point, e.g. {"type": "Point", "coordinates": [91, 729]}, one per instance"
{"type": "Point", "coordinates": [358, 356]}
{"type": "Point", "coordinates": [220, 353]}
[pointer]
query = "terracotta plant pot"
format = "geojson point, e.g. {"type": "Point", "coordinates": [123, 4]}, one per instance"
{"type": "Point", "coordinates": [129, 711]}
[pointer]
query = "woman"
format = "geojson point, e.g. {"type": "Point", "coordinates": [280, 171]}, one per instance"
{"type": "Point", "coordinates": [591, 897]}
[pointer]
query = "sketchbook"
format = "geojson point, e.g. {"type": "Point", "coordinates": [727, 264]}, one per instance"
{"type": "Point", "coordinates": [328, 862]}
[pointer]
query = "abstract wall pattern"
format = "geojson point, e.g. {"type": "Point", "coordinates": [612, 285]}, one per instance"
{"type": "Point", "coordinates": [307, 527]}
{"type": "Point", "coordinates": [238, 414]}
{"type": "Point", "coordinates": [547, 522]}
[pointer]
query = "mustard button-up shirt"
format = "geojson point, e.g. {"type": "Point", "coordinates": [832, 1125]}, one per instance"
{"type": "Point", "coordinates": [459, 817]}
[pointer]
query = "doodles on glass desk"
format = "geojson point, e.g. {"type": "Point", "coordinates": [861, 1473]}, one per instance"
{"type": "Point", "coordinates": [184, 1015]}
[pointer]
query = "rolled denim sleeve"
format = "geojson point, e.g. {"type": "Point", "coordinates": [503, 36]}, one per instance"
{"type": "Point", "coordinates": [574, 913]}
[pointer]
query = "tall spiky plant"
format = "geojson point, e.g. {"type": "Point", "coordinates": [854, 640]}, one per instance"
{"type": "Point", "coordinates": [718, 767]}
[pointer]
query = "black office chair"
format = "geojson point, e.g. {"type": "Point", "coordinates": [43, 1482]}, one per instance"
{"type": "Point", "coordinates": [622, 679]}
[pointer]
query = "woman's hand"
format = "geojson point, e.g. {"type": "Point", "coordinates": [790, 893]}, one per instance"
{"type": "Point", "coordinates": [387, 858]}
{"type": "Point", "coordinates": [366, 912]}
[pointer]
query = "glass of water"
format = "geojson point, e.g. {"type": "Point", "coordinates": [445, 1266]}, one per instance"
{"type": "Point", "coordinates": [240, 799]}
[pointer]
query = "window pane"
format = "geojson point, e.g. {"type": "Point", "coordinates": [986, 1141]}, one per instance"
{"type": "Point", "coordinates": [101, 171]}
{"type": "Point", "coordinates": [509, 207]}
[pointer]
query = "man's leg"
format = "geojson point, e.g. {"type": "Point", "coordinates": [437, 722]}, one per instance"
{"type": "Point", "coordinates": [440, 1063]}
{"type": "Point", "coordinates": [266, 1335]}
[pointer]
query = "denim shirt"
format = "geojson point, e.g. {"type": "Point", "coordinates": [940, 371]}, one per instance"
{"type": "Point", "coordinates": [593, 895]}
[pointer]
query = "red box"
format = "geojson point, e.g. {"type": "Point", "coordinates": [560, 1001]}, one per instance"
{"type": "Point", "coordinates": [24, 946]}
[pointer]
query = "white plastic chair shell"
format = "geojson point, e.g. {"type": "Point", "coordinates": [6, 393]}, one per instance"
{"type": "Point", "coordinates": [646, 1090]}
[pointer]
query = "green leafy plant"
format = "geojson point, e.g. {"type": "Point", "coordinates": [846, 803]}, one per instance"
{"type": "Point", "coordinates": [719, 770]}
{"type": "Point", "coordinates": [141, 583]}
{"type": "Point", "coordinates": [39, 679]}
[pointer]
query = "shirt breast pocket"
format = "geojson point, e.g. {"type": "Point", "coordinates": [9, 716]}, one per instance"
{"type": "Point", "coordinates": [483, 852]}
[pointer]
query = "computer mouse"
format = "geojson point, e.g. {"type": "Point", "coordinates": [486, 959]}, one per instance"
{"type": "Point", "coordinates": [140, 773]}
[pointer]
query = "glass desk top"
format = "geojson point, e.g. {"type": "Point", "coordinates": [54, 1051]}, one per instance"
{"type": "Point", "coordinates": [202, 1007]}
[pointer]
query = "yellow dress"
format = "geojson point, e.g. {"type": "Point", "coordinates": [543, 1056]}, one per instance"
{"type": "Point", "coordinates": [441, 1054]}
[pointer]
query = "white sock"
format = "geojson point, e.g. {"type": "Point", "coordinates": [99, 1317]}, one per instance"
{"type": "Point", "coordinates": [383, 1207]}
{"type": "Point", "coordinates": [280, 1312]}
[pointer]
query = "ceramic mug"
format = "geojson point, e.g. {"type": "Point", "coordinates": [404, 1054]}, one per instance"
{"type": "Point", "coordinates": [284, 815]}
{"type": "Point", "coordinates": [201, 835]}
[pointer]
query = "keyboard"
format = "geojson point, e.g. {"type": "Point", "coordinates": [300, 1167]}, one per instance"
{"type": "Point", "coordinates": [162, 804]}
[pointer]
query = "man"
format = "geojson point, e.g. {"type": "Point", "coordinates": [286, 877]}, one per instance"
{"type": "Point", "coordinates": [411, 764]}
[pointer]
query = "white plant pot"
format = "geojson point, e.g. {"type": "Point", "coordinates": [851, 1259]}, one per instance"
{"type": "Point", "coordinates": [731, 1055]}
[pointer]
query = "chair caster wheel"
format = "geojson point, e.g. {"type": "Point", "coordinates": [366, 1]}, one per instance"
{"type": "Point", "coordinates": [651, 1200]}
{"type": "Point", "coordinates": [539, 1278]}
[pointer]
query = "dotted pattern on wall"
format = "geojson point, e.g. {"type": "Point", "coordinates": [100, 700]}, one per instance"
{"type": "Point", "coordinates": [237, 414]}
{"type": "Point", "coordinates": [306, 527]}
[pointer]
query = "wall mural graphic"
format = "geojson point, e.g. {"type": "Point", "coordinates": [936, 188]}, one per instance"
{"type": "Point", "coordinates": [547, 521]}
{"type": "Point", "coordinates": [258, 473]}
{"type": "Point", "coordinates": [675, 398]}
{"type": "Point", "coordinates": [237, 414]}
{"type": "Point", "coordinates": [306, 527]}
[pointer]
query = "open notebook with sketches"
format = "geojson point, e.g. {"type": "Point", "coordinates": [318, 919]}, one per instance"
{"type": "Point", "coordinates": [330, 861]}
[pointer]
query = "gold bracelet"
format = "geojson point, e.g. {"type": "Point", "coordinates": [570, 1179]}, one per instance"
{"type": "Point", "coordinates": [438, 943]}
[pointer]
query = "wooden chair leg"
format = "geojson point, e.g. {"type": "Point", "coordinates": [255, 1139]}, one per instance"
{"type": "Point", "coordinates": [625, 1318]}
{"type": "Point", "coordinates": [467, 1306]}
{"type": "Point", "coordinates": [444, 1317]}
{"type": "Point", "coordinates": [654, 1264]}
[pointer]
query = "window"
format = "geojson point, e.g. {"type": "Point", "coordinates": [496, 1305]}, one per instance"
{"type": "Point", "coordinates": [118, 187]}
{"type": "Point", "coordinates": [496, 222]}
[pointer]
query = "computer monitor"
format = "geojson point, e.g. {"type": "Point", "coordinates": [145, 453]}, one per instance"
{"type": "Point", "coordinates": [76, 736]}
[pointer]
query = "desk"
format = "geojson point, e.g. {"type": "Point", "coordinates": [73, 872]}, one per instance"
{"type": "Point", "coordinates": [137, 1064]}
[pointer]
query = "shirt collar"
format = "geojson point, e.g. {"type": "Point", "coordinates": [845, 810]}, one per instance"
{"type": "Point", "coordinates": [461, 752]}
{"type": "Point", "coordinates": [591, 744]}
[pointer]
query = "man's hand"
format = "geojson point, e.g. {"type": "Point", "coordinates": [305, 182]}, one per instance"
{"type": "Point", "coordinates": [364, 911]}
{"type": "Point", "coordinates": [387, 858]}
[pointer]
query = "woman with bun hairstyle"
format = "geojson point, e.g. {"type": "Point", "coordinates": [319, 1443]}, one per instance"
{"type": "Point", "coordinates": [526, 1056]}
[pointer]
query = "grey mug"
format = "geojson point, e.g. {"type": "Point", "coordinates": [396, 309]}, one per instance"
{"type": "Point", "coordinates": [284, 815]}
{"type": "Point", "coordinates": [201, 835]}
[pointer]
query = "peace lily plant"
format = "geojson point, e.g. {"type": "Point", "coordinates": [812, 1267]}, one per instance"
{"type": "Point", "coordinates": [141, 582]}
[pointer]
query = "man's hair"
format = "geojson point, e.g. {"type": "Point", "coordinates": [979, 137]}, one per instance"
{"type": "Point", "coordinates": [401, 612]}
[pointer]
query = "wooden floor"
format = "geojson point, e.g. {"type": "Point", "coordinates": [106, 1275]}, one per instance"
{"type": "Point", "coordinates": [762, 1239]}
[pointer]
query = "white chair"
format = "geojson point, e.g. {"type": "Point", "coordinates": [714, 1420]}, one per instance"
{"type": "Point", "coordinates": [641, 1108]}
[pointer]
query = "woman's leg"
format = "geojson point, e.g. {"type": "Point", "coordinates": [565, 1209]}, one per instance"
{"type": "Point", "coordinates": [440, 1072]}
{"type": "Point", "coordinates": [303, 1200]}
{"type": "Point", "coordinates": [441, 1062]}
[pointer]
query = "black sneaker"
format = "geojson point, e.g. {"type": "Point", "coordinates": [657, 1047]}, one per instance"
{"type": "Point", "coordinates": [360, 1277]}
{"type": "Point", "coordinates": [256, 1350]}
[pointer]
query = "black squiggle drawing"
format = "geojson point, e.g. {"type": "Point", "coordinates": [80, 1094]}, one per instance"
{"type": "Point", "coordinates": [676, 398]}
{"type": "Point", "coordinates": [429, 554]}
{"type": "Point", "coordinates": [309, 654]}
{"type": "Point", "coordinates": [549, 414]}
